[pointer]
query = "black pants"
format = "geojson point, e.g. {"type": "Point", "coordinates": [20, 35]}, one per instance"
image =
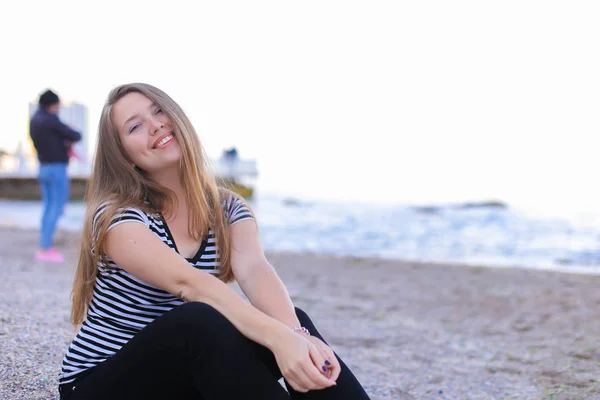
{"type": "Point", "coordinates": [194, 352]}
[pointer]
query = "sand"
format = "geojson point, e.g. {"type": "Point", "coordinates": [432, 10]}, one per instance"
{"type": "Point", "coordinates": [407, 330]}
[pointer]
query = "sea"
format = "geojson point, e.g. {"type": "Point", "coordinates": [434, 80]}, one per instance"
{"type": "Point", "coordinates": [488, 235]}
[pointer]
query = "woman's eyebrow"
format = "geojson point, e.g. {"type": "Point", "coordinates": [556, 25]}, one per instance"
{"type": "Point", "coordinates": [136, 115]}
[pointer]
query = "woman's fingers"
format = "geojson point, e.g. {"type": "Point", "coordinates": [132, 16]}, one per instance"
{"type": "Point", "coordinates": [317, 370]}
{"type": "Point", "coordinates": [318, 359]}
{"type": "Point", "coordinates": [303, 375]}
{"type": "Point", "coordinates": [329, 366]}
{"type": "Point", "coordinates": [330, 361]}
{"type": "Point", "coordinates": [306, 376]}
{"type": "Point", "coordinates": [302, 364]}
{"type": "Point", "coordinates": [295, 378]}
{"type": "Point", "coordinates": [334, 366]}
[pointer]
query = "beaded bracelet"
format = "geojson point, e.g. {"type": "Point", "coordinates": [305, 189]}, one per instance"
{"type": "Point", "coordinates": [301, 329]}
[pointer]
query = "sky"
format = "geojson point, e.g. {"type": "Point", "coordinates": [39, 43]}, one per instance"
{"type": "Point", "coordinates": [368, 101]}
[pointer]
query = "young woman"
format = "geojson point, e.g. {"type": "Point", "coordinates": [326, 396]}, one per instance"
{"type": "Point", "coordinates": [156, 317]}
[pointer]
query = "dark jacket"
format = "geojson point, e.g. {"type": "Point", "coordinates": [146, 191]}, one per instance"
{"type": "Point", "coordinates": [51, 137]}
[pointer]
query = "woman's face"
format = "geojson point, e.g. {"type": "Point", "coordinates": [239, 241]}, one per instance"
{"type": "Point", "coordinates": [146, 133]}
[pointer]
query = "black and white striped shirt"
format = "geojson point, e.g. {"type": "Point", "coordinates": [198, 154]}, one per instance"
{"type": "Point", "coordinates": [122, 304]}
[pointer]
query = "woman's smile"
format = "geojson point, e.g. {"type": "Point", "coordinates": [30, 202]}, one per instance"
{"type": "Point", "coordinates": [163, 141]}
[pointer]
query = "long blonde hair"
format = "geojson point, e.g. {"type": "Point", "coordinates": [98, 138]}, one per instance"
{"type": "Point", "coordinates": [115, 180]}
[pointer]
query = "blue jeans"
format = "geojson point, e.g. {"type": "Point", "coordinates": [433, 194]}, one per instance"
{"type": "Point", "coordinates": [54, 185]}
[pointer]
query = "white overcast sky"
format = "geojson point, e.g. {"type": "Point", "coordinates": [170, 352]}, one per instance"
{"type": "Point", "coordinates": [394, 101]}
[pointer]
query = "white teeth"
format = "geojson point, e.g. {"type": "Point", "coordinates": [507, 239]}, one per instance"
{"type": "Point", "coordinates": [164, 141]}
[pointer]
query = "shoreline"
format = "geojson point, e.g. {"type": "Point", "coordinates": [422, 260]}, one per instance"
{"type": "Point", "coordinates": [407, 330]}
{"type": "Point", "coordinates": [571, 269]}
{"type": "Point", "coordinates": [472, 238]}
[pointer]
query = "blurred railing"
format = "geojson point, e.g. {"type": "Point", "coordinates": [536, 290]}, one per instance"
{"type": "Point", "coordinates": [26, 167]}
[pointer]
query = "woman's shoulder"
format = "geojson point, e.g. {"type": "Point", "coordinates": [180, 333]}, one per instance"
{"type": "Point", "coordinates": [117, 213]}
{"type": "Point", "coordinates": [235, 207]}
{"type": "Point", "coordinates": [118, 207]}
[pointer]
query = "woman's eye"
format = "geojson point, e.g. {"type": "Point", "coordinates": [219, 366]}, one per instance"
{"type": "Point", "coordinates": [159, 110]}
{"type": "Point", "coordinates": [134, 127]}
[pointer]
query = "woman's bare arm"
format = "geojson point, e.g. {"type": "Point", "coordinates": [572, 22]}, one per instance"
{"type": "Point", "coordinates": [138, 251]}
{"type": "Point", "coordinates": [257, 277]}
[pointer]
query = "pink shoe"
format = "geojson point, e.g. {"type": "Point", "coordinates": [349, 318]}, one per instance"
{"type": "Point", "coordinates": [50, 255]}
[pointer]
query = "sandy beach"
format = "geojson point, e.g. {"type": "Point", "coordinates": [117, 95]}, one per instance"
{"type": "Point", "coordinates": [407, 330]}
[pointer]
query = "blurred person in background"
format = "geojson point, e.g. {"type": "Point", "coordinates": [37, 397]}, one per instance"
{"type": "Point", "coordinates": [52, 140]}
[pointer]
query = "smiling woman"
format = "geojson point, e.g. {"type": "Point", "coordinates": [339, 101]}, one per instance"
{"type": "Point", "coordinates": [146, 134]}
{"type": "Point", "coordinates": [161, 240]}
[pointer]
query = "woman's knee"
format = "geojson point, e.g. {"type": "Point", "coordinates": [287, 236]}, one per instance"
{"type": "Point", "coordinates": [205, 316]}
{"type": "Point", "coordinates": [205, 320]}
{"type": "Point", "coordinates": [193, 316]}
{"type": "Point", "coordinates": [197, 311]}
{"type": "Point", "coordinates": [302, 316]}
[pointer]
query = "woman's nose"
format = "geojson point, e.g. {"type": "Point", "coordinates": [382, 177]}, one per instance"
{"type": "Point", "coordinates": [155, 125]}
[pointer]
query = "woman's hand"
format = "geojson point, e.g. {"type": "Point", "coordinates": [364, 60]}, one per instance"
{"type": "Point", "coordinates": [331, 362]}
{"type": "Point", "coordinates": [298, 358]}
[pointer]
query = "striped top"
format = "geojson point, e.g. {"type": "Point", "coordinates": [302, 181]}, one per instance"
{"type": "Point", "coordinates": [122, 304]}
